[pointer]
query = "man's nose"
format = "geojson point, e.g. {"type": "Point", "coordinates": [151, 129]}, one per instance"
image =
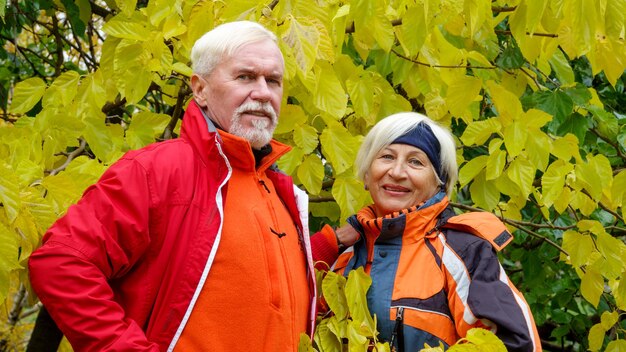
{"type": "Point", "coordinates": [261, 91]}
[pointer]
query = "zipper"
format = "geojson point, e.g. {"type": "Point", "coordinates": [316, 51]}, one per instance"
{"type": "Point", "coordinates": [398, 331]}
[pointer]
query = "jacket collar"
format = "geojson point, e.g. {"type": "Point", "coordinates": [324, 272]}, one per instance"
{"type": "Point", "coordinates": [203, 135]}
{"type": "Point", "coordinates": [412, 223]}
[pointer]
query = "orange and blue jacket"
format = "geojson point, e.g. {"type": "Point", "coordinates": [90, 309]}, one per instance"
{"type": "Point", "coordinates": [436, 275]}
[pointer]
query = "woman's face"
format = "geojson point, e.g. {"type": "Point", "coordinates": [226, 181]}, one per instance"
{"type": "Point", "coordinates": [399, 177]}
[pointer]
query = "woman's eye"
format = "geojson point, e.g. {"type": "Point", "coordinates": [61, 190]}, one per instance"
{"type": "Point", "coordinates": [387, 156]}
{"type": "Point", "coordinates": [415, 162]}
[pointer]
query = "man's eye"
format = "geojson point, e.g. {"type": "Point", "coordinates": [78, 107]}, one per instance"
{"type": "Point", "coordinates": [244, 77]}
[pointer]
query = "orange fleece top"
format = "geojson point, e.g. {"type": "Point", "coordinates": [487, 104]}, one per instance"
{"type": "Point", "coordinates": [256, 296]}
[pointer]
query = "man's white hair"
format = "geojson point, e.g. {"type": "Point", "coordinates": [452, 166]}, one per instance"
{"type": "Point", "coordinates": [222, 41]}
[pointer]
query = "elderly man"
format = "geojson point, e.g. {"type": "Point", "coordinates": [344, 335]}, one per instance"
{"type": "Point", "coordinates": [197, 243]}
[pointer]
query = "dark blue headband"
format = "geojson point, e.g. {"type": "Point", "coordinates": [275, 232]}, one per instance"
{"type": "Point", "coordinates": [422, 137]}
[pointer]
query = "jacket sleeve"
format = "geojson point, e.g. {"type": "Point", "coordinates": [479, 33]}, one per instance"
{"type": "Point", "coordinates": [99, 239]}
{"type": "Point", "coordinates": [483, 296]}
{"type": "Point", "coordinates": [324, 248]}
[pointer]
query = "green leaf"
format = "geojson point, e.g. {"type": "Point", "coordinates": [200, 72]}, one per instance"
{"type": "Point", "coordinates": [145, 127]}
{"type": "Point", "coordinates": [311, 173]}
{"type": "Point", "coordinates": [305, 137]}
{"type": "Point", "coordinates": [472, 168]}
{"type": "Point", "coordinates": [339, 147]}
{"type": "Point", "coordinates": [328, 210]}
{"type": "Point", "coordinates": [325, 338]}
{"type": "Point", "coordinates": [592, 286]}
{"type": "Point", "coordinates": [364, 95]}
{"type": "Point", "coordinates": [511, 57]}
{"type": "Point", "coordinates": [556, 103]}
{"type": "Point", "coordinates": [561, 67]}
{"type": "Point", "coordinates": [26, 94]}
{"type": "Point", "coordinates": [9, 252]}
{"type": "Point", "coordinates": [74, 15]}
{"type": "Point", "coordinates": [606, 121]}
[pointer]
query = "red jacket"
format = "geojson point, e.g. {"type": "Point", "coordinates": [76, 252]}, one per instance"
{"type": "Point", "coordinates": [121, 270]}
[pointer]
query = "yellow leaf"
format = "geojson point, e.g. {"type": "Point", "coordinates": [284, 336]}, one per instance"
{"type": "Point", "coordinates": [329, 95]}
{"type": "Point", "coordinates": [566, 147]}
{"type": "Point", "coordinates": [182, 69]}
{"type": "Point", "coordinates": [611, 249]}
{"type": "Point", "coordinates": [508, 105]}
{"type": "Point", "coordinates": [305, 137]}
{"type": "Point", "coordinates": [9, 192]}
{"type": "Point", "coordinates": [26, 94]}
{"type": "Point", "coordinates": [122, 26]}
{"type": "Point", "coordinates": [144, 128]}
{"type": "Point", "coordinates": [62, 91]}
{"type": "Point", "coordinates": [609, 319]}
{"type": "Point", "coordinates": [472, 168]}
{"type": "Point", "coordinates": [127, 6]}
{"type": "Point", "coordinates": [9, 252]}
{"type": "Point", "coordinates": [553, 181]}
{"type": "Point", "coordinates": [515, 135]}
{"type": "Point", "coordinates": [592, 286]}
{"type": "Point", "coordinates": [522, 173]}
{"type": "Point", "coordinates": [484, 193]}
{"type": "Point", "coordinates": [538, 148]}
{"type": "Point", "coordinates": [365, 97]}
{"type": "Point", "coordinates": [596, 175]}
{"type": "Point", "coordinates": [579, 247]}
{"type": "Point", "coordinates": [292, 117]}
{"type": "Point", "coordinates": [461, 92]}
{"type": "Point", "coordinates": [349, 194]}
{"type": "Point", "coordinates": [289, 162]}
{"type": "Point", "coordinates": [563, 200]}
{"type": "Point", "coordinates": [495, 164]}
{"type": "Point", "coordinates": [412, 34]}
{"type": "Point", "coordinates": [478, 132]}
{"type": "Point", "coordinates": [596, 337]}
{"type": "Point", "coordinates": [302, 38]}
{"type": "Point", "coordinates": [311, 173]}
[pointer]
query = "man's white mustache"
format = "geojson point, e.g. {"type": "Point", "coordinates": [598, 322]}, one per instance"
{"type": "Point", "coordinates": [256, 106]}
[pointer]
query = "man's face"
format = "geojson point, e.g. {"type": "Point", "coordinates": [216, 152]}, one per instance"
{"type": "Point", "coordinates": [244, 92]}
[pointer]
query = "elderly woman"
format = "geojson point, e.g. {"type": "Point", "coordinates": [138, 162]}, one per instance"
{"type": "Point", "coordinates": [435, 275]}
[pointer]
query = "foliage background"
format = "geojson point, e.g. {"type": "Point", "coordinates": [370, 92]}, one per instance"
{"type": "Point", "coordinates": [533, 89]}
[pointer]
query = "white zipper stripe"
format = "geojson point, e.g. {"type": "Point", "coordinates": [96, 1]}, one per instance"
{"type": "Point", "coordinates": [220, 207]}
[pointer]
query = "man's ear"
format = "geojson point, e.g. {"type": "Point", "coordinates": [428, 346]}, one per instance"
{"type": "Point", "coordinates": [198, 84]}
